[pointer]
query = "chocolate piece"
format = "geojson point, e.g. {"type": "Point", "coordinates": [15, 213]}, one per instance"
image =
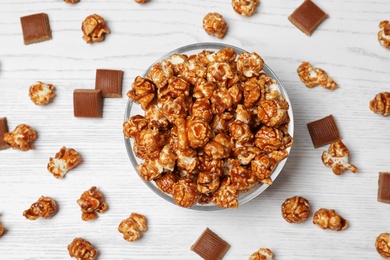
{"type": "Point", "coordinates": [307, 17]}
{"type": "Point", "coordinates": [323, 131]}
{"type": "Point", "coordinates": [36, 28]}
{"type": "Point", "coordinates": [87, 103]}
{"type": "Point", "coordinates": [210, 246]}
{"type": "Point", "coordinates": [384, 187]}
{"type": "Point", "coordinates": [3, 130]}
{"type": "Point", "coordinates": [110, 82]}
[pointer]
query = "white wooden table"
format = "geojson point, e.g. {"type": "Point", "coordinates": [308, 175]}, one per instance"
{"type": "Point", "coordinates": [345, 46]}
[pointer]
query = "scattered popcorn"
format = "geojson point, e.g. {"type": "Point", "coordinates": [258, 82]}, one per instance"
{"type": "Point", "coordinates": [214, 24]}
{"type": "Point", "coordinates": [337, 158]}
{"type": "Point", "coordinates": [65, 160]}
{"type": "Point", "coordinates": [325, 218]}
{"type": "Point", "coordinates": [384, 34]}
{"type": "Point", "coordinates": [133, 227]}
{"type": "Point", "coordinates": [45, 207]}
{"type": "Point", "coordinates": [21, 138]}
{"type": "Point", "coordinates": [312, 77]}
{"type": "Point", "coordinates": [82, 249]}
{"type": "Point", "coordinates": [382, 245]}
{"type": "Point", "coordinates": [94, 28]}
{"type": "Point", "coordinates": [262, 254]}
{"type": "Point", "coordinates": [41, 93]}
{"type": "Point", "coordinates": [296, 209]}
{"type": "Point", "coordinates": [245, 7]}
{"type": "Point", "coordinates": [381, 104]}
{"type": "Point", "coordinates": [92, 202]}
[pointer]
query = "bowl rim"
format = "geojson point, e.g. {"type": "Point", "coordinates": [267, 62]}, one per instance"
{"type": "Point", "coordinates": [245, 197]}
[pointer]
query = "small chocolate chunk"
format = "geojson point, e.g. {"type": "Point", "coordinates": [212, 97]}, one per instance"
{"type": "Point", "coordinates": [110, 82]}
{"type": "Point", "coordinates": [3, 130]}
{"type": "Point", "coordinates": [87, 103]}
{"type": "Point", "coordinates": [210, 246]}
{"type": "Point", "coordinates": [384, 187]}
{"type": "Point", "coordinates": [307, 17]}
{"type": "Point", "coordinates": [323, 131]}
{"type": "Point", "coordinates": [35, 28]}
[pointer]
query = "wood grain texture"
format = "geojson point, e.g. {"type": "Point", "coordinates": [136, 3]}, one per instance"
{"type": "Point", "coordinates": [345, 45]}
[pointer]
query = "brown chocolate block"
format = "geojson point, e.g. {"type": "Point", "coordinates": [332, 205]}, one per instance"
{"type": "Point", "coordinates": [3, 130]}
{"type": "Point", "coordinates": [307, 17]}
{"type": "Point", "coordinates": [87, 103]}
{"type": "Point", "coordinates": [35, 28]}
{"type": "Point", "coordinates": [384, 187]}
{"type": "Point", "coordinates": [210, 246]}
{"type": "Point", "coordinates": [110, 82]}
{"type": "Point", "coordinates": [323, 131]}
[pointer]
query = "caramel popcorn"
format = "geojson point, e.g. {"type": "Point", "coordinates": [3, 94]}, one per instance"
{"type": "Point", "coordinates": [41, 93]}
{"type": "Point", "coordinates": [45, 207]}
{"type": "Point", "coordinates": [312, 77]}
{"type": "Point", "coordinates": [262, 254]}
{"type": "Point", "coordinates": [325, 218]}
{"type": "Point", "coordinates": [382, 245]}
{"type": "Point", "coordinates": [140, 1]}
{"type": "Point", "coordinates": [295, 209]}
{"type": "Point", "coordinates": [381, 104]}
{"type": "Point", "coordinates": [215, 126]}
{"type": "Point", "coordinates": [82, 249]}
{"type": "Point", "coordinates": [337, 158]}
{"type": "Point", "coordinates": [384, 34]}
{"type": "Point", "coordinates": [133, 227]}
{"type": "Point", "coordinates": [94, 28]}
{"type": "Point", "coordinates": [71, 1]}
{"type": "Point", "coordinates": [21, 138]}
{"type": "Point", "coordinates": [2, 230]}
{"type": "Point", "coordinates": [245, 7]}
{"type": "Point", "coordinates": [65, 160]}
{"type": "Point", "coordinates": [214, 24]}
{"type": "Point", "coordinates": [92, 202]}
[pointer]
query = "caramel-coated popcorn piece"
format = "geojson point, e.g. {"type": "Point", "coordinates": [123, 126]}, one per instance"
{"type": "Point", "coordinates": [41, 93]}
{"type": "Point", "coordinates": [227, 195]}
{"type": "Point", "coordinates": [382, 245]}
{"type": "Point", "coordinates": [94, 28]}
{"type": "Point", "coordinates": [45, 207]}
{"type": "Point", "coordinates": [337, 158]}
{"type": "Point", "coordinates": [2, 230]}
{"type": "Point", "coordinates": [273, 113]}
{"type": "Point", "coordinates": [140, 1]}
{"type": "Point", "coordinates": [381, 103]}
{"type": "Point", "coordinates": [384, 34]}
{"type": "Point", "coordinates": [185, 193]}
{"type": "Point", "coordinates": [245, 7]}
{"type": "Point", "coordinates": [250, 64]}
{"type": "Point", "coordinates": [166, 181]}
{"type": "Point", "coordinates": [92, 202]}
{"type": "Point", "coordinates": [133, 227]}
{"type": "Point", "coordinates": [295, 209]}
{"type": "Point", "coordinates": [82, 249]}
{"type": "Point", "coordinates": [312, 77]}
{"type": "Point", "coordinates": [214, 24]}
{"type": "Point", "coordinates": [71, 1]}
{"type": "Point", "coordinates": [21, 138]}
{"type": "Point", "coordinates": [325, 218]}
{"type": "Point", "coordinates": [262, 254]}
{"type": "Point", "coordinates": [65, 160]}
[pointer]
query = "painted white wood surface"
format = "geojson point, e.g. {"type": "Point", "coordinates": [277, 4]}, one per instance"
{"type": "Point", "coordinates": [345, 46]}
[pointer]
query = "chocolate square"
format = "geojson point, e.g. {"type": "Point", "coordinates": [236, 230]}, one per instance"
{"type": "Point", "coordinates": [210, 246]}
{"type": "Point", "coordinates": [110, 82]}
{"type": "Point", "coordinates": [87, 103]}
{"type": "Point", "coordinates": [307, 17]}
{"type": "Point", "coordinates": [384, 187]}
{"type": "Point", "coordinates": [3, 130]}
{"type": "Point", "coordinates": [323, 131]}
{"type": "Point", "coordinates": [35, 28]}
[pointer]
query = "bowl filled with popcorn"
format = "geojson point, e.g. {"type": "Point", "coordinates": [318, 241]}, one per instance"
{"type": "Point", "coordinates": [208, 126]}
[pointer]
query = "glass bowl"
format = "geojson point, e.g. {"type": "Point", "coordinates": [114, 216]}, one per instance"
{"type": "Point", "coordinates": [133, 108]}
